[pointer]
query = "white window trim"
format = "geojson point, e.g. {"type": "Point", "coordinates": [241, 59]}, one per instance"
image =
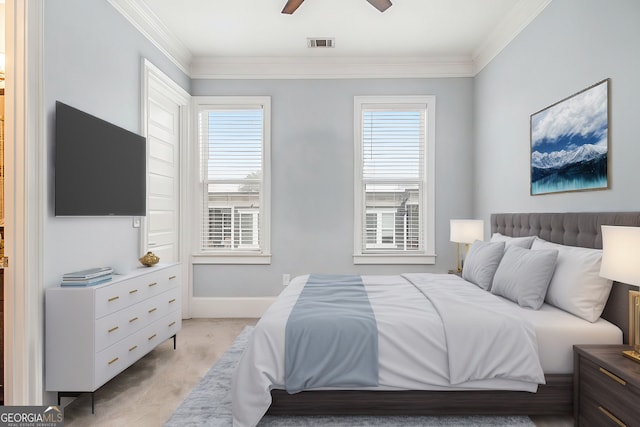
{"type": "Point", "coordinates": [238, 257]}
{"type": "Point", "coordinates": [427, 256]}
{"type": "Point", "coordinates": [235, 257]}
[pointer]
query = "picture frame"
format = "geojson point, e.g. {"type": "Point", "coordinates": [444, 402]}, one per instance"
{"type": "Point", "coordinates": [570, 143]}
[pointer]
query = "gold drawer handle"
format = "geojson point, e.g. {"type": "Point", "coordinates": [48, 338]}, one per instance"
{"type": "Point", "coordinates": [112, 361]}
{"type": "Point", "coordinates": [133, 348]}
{"type": "Point", "coordinates": [171, 324]}
{"type": "Point", "coordinates": [115, 328]}
{"type": "Point", "coordinates": [133, 319]}
{"type": "Point", "coordinates": [133, 291]}
{"type": "Point", "coordinates": [113, 298]}
{"type": "Point", "coordinates": [613, 377]}
{"type": "Point", "coordinates": [151, 310]}
{"type": "Point", "coordinates": [172, 300]}
{"type": "Point", "coordinates": [152, 337]}
{"type": "Point", "coordinates": [612, 417]}
{"type": "Point", "coordinates": [172, 277]}
{"type": "Point", "coordinates": [152, 284]}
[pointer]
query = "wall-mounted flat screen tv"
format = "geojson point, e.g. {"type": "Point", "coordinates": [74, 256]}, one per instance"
{"type": "Point", "coordinates": [100, 168]}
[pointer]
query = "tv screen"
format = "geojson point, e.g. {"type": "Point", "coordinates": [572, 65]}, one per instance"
{"type": "Point", "coordinates": [100, 168]}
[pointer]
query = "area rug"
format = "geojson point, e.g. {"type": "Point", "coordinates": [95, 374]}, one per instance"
{"type": "Point", "coordinates": [209, 404]}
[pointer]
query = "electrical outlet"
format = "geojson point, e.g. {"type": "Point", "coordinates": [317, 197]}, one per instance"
{"type": "Point", "coordinates": [285, 279]}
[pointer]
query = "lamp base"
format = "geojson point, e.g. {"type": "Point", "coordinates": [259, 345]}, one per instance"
{"type": "Point", "coordinates": [632, 354]}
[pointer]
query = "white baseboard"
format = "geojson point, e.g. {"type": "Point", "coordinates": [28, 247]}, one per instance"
{"type": "Point", "coordinates": [230, 307]}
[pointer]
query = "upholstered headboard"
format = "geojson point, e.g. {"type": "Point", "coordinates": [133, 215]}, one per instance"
{"type": "Point", "coordinates": [574, 229]}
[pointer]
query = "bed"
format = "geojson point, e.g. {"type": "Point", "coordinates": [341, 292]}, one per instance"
{"type": "Point", "coordinates": [258, 381]}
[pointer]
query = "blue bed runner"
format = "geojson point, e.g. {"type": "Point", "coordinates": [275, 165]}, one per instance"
{"type": "Point", "coordinates": [331, 336]}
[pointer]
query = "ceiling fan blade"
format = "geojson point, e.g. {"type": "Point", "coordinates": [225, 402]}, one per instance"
{"type": "Point", "coordinates": [381, 5]}
{"type": "Point", "coordinates": [291, 6]}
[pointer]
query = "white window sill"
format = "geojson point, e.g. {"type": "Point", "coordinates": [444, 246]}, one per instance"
{"type": "Point", "coordinates": [393, 259]}
{"type": "Point", "coordinates": [235, 258]}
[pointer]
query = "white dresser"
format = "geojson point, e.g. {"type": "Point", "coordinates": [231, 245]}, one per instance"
{"type": "Point", "coordinates": [94, 333]}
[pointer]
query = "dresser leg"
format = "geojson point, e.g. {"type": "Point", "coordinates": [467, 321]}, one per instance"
{"type": "Point", "coordinates": [174, 341]}
{"type": "Point", "coordinates": [76, 394]}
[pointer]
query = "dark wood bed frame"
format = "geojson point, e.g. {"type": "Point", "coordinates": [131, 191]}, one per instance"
{"type": "Point", "coordinates": [555, 397]}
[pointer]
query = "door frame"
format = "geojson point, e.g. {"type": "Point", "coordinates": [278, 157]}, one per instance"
{"type": "Point", "coordinates": [152, 76]}
{"type": "Point", "coordinates": [25, 202]}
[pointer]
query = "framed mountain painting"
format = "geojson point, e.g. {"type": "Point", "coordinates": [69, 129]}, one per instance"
{"type": "Point", "coordinates": [570, 143]}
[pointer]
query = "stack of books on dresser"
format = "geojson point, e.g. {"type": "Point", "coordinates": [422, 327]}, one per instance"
{"type": "Point", "coordinates": [90, 277]}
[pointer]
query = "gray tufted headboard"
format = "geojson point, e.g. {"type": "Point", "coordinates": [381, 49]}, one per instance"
{"type": "Point", "coordinates": [574, 229]}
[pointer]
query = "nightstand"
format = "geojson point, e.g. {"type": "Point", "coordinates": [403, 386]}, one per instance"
{"type": "Point", "coordinates": [606, 386]}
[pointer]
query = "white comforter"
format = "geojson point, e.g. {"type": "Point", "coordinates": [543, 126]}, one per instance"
{"type": "Point", "coordinates": [435, 332]}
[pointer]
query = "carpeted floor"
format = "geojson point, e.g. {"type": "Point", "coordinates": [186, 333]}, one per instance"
{"type": "Point", "coordinates": [147, 393]}
{"type": "Point", "coordinates": [209, 404]}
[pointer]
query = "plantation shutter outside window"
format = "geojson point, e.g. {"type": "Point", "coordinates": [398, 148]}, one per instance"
{"type": "Point", "coordinates": [232, 157]}
{"type": "Point", "coordinates": [393, 151]}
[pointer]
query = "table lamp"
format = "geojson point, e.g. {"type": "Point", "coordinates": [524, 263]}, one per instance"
{"type": "Point", "coordinates": [465, 231]}
{"type": "Point", "coordinates": [621, 263]}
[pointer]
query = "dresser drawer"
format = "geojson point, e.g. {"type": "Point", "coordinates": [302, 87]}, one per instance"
{"type": "Point", "coordinates": [112, 328]}
{"type": "Point", "coordinates": [163, 329]}
{"type": "Point", "coordinates": [606, 397]}
{"type": "Point", "coordinates": [595, 414]}
{"type": "Point", "coordinates": [116, 296]}
{"type": "Point", "coordinates": [160, 305]}
{"type": "Point", "coordinates": [609, 390]}
{"type": "Point", "coordinates": [121, 294]}
{"type": "Point", "coordinates": [114, 359]}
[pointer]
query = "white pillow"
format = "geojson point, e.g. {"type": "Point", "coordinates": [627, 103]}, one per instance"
{"type": "Point", "coordinates": [481, 263]}
{"type": "Point", "coordinates": [523, 242]}
{"type": "Point", "coordinates": [523, 275]}
{"type": "Point", "coordinates": [576, 285]}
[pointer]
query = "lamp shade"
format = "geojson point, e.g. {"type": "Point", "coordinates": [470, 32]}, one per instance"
{"type": "Point", "coordinates": [621, 254]}
{"type": "Point", "coordinates": [466, 230]}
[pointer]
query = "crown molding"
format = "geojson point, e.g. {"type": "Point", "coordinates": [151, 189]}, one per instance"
{"type": "Point", "coordinates": [508, 29]}
{"type": "Point", "coordinates": [144, 20]}
{"type": "Point", "coordinates": [329, 67]}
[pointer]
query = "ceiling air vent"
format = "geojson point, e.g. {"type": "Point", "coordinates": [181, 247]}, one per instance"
{"type": "Point", "coordinates": [314, 42]}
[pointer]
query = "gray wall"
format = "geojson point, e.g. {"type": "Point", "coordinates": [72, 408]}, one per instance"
{"type": "Point", "coordinates": [571, 45]}
{"type": "Point", "coordinates": [312, 177]}
{"type": "Point", "coordinates": [92, 61]}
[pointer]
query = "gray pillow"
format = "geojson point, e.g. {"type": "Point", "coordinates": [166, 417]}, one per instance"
{"type": "Point", "coordinates": [523, 275]}
{"type": "Point", "coordinates": [481, 262]}
{"type": "Point", "coordinates": [523, 242]}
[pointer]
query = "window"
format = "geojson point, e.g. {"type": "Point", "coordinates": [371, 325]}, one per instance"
{"type": "Point", "coordinates": [394, 180]}
{"type": "Point", "coordinates": [233, 135]}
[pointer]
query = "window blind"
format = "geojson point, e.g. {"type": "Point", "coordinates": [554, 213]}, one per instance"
{"type": "Point", "coordinates": [393, 173]}
{"type": "Point", "coordinates": [231, 141]}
